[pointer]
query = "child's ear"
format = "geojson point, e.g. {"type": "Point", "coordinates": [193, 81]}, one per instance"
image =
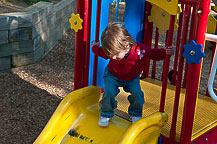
{"type": "Point", "coordinates": [127, 46]}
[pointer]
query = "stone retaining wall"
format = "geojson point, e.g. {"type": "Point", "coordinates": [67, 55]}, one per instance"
{"type": "Point", "coordinates": [27, 36]}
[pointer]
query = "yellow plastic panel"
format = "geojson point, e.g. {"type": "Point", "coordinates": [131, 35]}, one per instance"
{"type": "Point", "coordinates": [211, 25]}
{"type": "Point", "coordinates": [215, 8]}
{"type": "Point", "coordinates": [161, 18]}
{"type": "Point", "coordinates": [171, 6]}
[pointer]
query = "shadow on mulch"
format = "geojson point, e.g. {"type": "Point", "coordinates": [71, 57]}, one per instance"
{"type": "Point", "coordinates": [29, 94]}
{"type": "Point", "coordinates": [25, 110]}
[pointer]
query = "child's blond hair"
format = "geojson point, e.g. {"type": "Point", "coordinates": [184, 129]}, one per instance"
{"type": "Point", "coordinates": [115, 39]}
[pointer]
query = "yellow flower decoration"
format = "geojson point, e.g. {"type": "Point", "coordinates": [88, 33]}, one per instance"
{"type": "Point", "coordinates": [161, 18]}
{"type": "Point", "coordinates": [76, 22]}
{"type": "Point", "coordinates": [170, 6]}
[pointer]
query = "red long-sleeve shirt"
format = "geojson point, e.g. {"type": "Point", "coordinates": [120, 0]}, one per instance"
{"type": "Point", "coordinates": [130, 67]}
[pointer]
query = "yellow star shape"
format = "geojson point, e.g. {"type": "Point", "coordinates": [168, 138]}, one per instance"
{"type": "Point", "coordinates": [76, 22]}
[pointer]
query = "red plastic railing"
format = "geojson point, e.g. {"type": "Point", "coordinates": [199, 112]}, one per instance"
{"type": "Point", "coordinates": [88, 9]}
{"type": "Point", "coordinates": [79, 50]}
{"type": "Point", "coordinates": [194, 77]}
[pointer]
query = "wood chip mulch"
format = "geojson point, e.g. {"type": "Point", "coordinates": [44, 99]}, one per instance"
{"type": "Point", "coordinates": [29, 95]}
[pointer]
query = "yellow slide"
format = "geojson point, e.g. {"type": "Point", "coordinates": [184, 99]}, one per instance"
{"type": "Point", "coordinates": [75, 121]}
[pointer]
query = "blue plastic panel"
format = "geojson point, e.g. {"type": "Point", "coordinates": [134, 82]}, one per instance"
{"type": "Point", "coordinates": [133, 21]}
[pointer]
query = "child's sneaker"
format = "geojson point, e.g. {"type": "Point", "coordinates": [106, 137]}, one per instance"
{"type": "Point", "coordinates": [135, 119]}
{"type": "Point", "coordinates": [103, 121]}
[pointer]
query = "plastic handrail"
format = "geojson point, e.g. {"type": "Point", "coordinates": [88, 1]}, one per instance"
{"type": "Point", "coordinates": [212, 74]}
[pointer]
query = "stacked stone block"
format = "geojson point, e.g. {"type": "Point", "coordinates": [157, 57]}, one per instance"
{"type": "Point", "coordinates": [27, 36]}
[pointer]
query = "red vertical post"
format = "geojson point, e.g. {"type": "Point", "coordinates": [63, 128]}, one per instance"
{"type": "Point", "coordinates": [178, 45]}
{"type": "Point", "coordinates": [96, 39]}
{"type": "Point", "coordinates": [191, 34]}
{"type": "Point", "coordinates": [147, 12]}
{"type": "Point", "coordinates": [88, 10]}
{"type": "Point", "coordinates": [149, 43]}
{"type": "Point", "coordinates": [154, 62]}
{"type": "Point", "coordinates": [147, 37]}
{"type": "Point", "coordinates": [79, 49]}
{"type": "Point", "coordinates": [185, 76]}
{"type": "Point", "coordinates": [150, 32]}
{"type": "Point", "coordinates": [194, 77]}
{"type": "Point", "coordinates": [167, 63]}
{"type": "Point", "coordinates": [180, 70]}
{"type": "Point", "coordinates": [164, 60]}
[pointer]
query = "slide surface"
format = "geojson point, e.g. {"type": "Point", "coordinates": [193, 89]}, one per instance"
{"type": "Point", "coordinates": [76, 121]}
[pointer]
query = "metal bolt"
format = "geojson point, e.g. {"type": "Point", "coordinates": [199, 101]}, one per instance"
{"type": "Point", "coordinates": [199, 11]}
{"type": "Point", "coordinates": [206, 139]}
{"type": "Point", "coordinates": [192, 53]}
{"type": "Point", "coordinates": [169, 0]}
{"type": "Point", "coordinates": [163, 14]}
{"type": "Point", "coordinates": [75, 22]}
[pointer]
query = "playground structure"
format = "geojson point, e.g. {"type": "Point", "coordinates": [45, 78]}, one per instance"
{"type": "Point", "coordinates": [176, 112]}
{"type": "Point", "coordinates": [211, 26]}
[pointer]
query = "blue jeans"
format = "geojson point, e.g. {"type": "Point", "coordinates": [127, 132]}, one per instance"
{"type": "Point", "coordinates": [108, 102]}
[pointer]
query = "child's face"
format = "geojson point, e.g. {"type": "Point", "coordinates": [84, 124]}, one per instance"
{"type": "Point", "coordinates": [120, 55]}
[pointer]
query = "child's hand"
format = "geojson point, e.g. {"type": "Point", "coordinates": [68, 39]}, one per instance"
{"type": "Point", "coordinates": [170, 50]}
{"type": "Point", "coordinates": [94, 43]}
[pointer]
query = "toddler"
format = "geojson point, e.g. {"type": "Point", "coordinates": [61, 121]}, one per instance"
{"type": "Point", "coordinates": [124, 69]}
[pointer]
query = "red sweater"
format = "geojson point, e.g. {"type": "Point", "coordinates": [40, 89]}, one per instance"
{"type": "Point", "coordinates": [131, 67]}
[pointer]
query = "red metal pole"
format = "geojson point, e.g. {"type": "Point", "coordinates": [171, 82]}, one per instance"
{"type": "Point", "coordinates": [194, 78]}
{"type": "Point", "coordinates": [85, 20]}
{"type": "Point", "coordinates": [147, 38]}
{"type": "Point", "coordinates": [154, 62]}
{"type": "Point", "coordinates": [79, 49]}
{"type": "Point", "coordinates": [196, 21]}
{"type": "Point", "coordinates": [192, 29]}
{"type": "Point", "coordinates": [185, 76]}
{"type": "Point", "coordinates": [166, 41]}
{"type": "Point", "coordinates": [149, 43]}
{"type": "Point", "coordinates": [166, 38]}
{"type": "Point", "coordinates": [191, 34]}
{"type": "Point", "coordinates": [147, 13]}
{"type": "Point", "coordinates": [87, 52]}
{"type": "Point", "coordinates": [178, 45]}
{"type": "Point", "coordinates": [167, 63]}
{"type": "Point", "coordinates": [180, 70]}
{"type": "Point", "coordinates": [96, 39]}
{"type": "Point", "coordinates": [150, 32]}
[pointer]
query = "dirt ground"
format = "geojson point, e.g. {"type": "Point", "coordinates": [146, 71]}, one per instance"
{"type": "Point", "coordinates": [30, 94]}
